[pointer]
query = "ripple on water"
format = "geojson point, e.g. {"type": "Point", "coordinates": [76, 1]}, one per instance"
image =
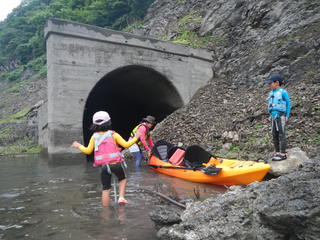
{"type": "Point", "coordinates": [16, 208]}
{"type": "Point", "coordinates": [9, 195]}
{"type": "Point", "coordinates": [60, 180]}
{"type": "Point", "coordinates": [6, 227]}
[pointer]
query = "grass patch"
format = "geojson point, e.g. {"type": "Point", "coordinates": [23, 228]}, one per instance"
{"type": "Point", "coordinates": [131, 27]}
{"type": "Point", "coordinates": [235, 148]}
{"type": "Point", "coordinates": [18, 149]}
{"type": "Point", "coordinates": [191, 38]}
{"type": "Point", "coordinates": [258, 126]}
{"type": "Point", "coordinates": [5, 132]}
{"type": "Point", "coordinates": [37, 63]}
{"type": "Point", "coordinates": [191, 18]}
{"type": "Point", "coordinates": [16, 87]}
{"type": "Point", "coordinates": [13, 75]}
{"type": "Point", "coordinates": [18, 146]}
{"type": "Point", "coordinates": [186, 33]}
{"type": "Point", "coordinates": [252, 139]}
{"type": "Point", "coordinates": [15, 117]}
{"type": "Point", "coordinates": [187, 36]}
{"type": "Point", "coordinates": [33, 149]}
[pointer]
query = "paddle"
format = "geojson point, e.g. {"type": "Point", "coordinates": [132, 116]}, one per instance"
{"type": "Point", "coordinates": [211, 170]}
{"type": "Point", "coordinates": [159, 166]}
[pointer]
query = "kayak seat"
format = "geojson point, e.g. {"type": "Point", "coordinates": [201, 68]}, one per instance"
{"type": "Point", "coordinates": [195, 156]}
{"type": "Point", "coordinates": [177, 156]}
{"type": "Point", "coordinates": [163, 150]}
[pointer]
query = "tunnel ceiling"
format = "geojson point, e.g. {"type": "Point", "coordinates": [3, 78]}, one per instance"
{"type": "Point", "coordinates": [128, 94]}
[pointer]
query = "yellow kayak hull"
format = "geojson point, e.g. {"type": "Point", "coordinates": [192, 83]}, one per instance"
{"type": "Point", "coordinates": [234, 172]}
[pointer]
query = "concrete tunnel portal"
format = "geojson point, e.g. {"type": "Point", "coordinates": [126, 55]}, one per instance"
{"type": "Point", "coordinates": [92, 68]}
{"type": "Point", "coordinates": [128, 94]}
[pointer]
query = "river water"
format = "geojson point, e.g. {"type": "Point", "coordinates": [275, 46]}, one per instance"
{"type": "Point", "coordinates": [42, 199]}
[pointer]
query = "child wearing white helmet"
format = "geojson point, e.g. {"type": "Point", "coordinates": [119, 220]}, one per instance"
{"type": "Point", "coordinates": [105, 145]}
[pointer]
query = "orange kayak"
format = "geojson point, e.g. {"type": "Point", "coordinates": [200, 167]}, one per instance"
{"type": "Point", "coordinates": [220, 171]}
{"type": "Point", "coordinates": [234, 172]}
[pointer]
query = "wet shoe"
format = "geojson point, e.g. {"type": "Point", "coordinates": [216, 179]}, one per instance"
{"type": "Point", "coordinates": [122, 201]}
{"type": "Point", "coordinates": [279, 158]}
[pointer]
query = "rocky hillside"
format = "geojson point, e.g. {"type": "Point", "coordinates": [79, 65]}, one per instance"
{"type": "Point", "coordinates": [19, 102]}
{"type": "Point", "coordinates": [249, 40]}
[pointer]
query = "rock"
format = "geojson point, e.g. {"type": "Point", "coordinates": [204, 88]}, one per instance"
{"type": "Point", "coordinates": [283, 208]}
{"type": "Point", "coordinates": [295, 157]}
{"type": "Point", "coordinates": [180, 144]}
{"type": "Point", "coordinates": [226, 146]}
{"type": "Point", "coordinates": [165, 215]}
{"type": "Point", "coordinates": [230, 135]}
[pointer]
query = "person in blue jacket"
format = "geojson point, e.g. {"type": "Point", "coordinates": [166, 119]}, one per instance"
{"type": "Point", "coordinates": [279, 107]}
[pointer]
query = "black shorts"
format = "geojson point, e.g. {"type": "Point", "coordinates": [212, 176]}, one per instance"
{"type": "Point", "coordinates": [116, 169]}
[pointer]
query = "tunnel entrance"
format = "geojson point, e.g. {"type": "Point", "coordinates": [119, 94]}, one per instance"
{"type": "Point", "coordinates": [128, 94]}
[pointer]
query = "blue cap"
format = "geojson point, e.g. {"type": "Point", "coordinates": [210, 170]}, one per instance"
{"type": "Point", "coordinates": [274, 78]}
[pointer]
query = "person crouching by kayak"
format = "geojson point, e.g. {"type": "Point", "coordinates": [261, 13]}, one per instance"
{"type": "Point", "coordinates": [144, 129]}
{"type": "Point", "coordinates": [105, 145]}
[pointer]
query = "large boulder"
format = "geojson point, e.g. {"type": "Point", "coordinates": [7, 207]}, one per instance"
{"type": "Point", "coordinates": [295, 158]}
{"type": "Point", "coordinates": [283, 208]}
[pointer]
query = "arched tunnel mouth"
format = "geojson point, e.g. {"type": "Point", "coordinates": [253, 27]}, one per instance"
{"type": "Point", "coordinates": [128, 94]}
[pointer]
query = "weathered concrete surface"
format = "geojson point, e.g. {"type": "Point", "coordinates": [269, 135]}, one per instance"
{"type": "Point", "coordinates": [43, 125]}
{"type": "Point", "coordinates": [81, 56]}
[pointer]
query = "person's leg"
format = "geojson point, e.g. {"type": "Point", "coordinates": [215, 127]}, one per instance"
{"type": "Point", "coordinates": [105, 197]}
{"type": "Point", "coordinates": [119, 171]}
{"type": "Point", "coordinates": [282, 135]}
{"type": "Point", "coordinates": [282, 140]}
{"type": "Point", "coordinates": [106, 185]}
{"type": "Point", "coordinates": [122, 188]}
{"type": "Point", "coordinates": [138, 157]}
{"type": "Point", "coordinates": [275, 135]}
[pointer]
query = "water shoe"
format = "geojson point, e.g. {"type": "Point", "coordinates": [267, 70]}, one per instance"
{"type": "Point", "coordinates": [279, 158]}
{"type": "Point", "coordinates": [122, 201]}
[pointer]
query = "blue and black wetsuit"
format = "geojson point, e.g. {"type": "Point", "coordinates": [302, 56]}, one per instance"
{"type": "Point", "coordinates": [279, 107]}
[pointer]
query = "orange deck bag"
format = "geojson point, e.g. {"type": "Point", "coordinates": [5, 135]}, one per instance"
{"type": "Point", "coordinates": [177, 157]}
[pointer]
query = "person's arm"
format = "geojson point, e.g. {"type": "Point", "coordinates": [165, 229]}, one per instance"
{"type": "Point", "coordinates": [269, 109]}
{"type": "Point", "coordinates": [150, 141]}
{"type": "Point", "coordinates": [143, 131]}
{"type": "Point", "coordinates": [286, 97]}
{"type": "Point", "coordinates": [123, 143]}
{"type": "Point", "coordinates": [86, 150]}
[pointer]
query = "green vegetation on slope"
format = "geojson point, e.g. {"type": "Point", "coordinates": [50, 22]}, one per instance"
{"type": "Point", "coordinates": [186, 32]}
{"type": "Point", "coordinates": [21, 34]}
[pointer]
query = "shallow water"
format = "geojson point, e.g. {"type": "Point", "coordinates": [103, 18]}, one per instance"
{"type": "Point", "coordinates": [40, 199]}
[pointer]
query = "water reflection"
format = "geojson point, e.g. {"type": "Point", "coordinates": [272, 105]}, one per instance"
{"type": "Point", "coordinates": [40, 199]}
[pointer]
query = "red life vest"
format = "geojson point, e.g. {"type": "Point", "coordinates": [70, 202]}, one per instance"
{"type": "Point", "coordinates": [105, 150]}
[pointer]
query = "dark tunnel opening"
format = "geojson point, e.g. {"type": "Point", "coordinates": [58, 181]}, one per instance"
{"type": "Point", "coordinates": [128, 94]}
